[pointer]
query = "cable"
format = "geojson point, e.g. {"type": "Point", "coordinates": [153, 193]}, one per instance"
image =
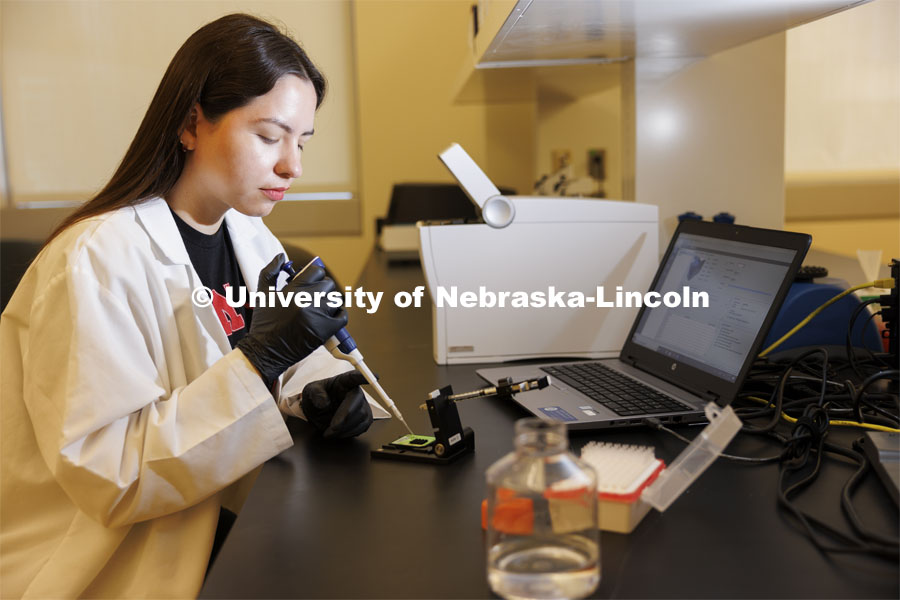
{"type": "Point", "coordinates": [855, 397]}
{"type": "Point", "coordinates": [882, 283]}
{"type": "Point", "coordinates": [778, 393]}
{"type": "Point", "coordinates": [808, 441]}
{"type": "Point", "coordinates": [804, 378]}
{"type": "Point", "coordinates": [892, 374]}
{"type": "Point", "coordinates": [881, 357]}
{"type": "Point", "coordinates": [862, 334]}
{"type": "Point", "coordinates": [801, 459]}
{"type": "Point", "coordinates": [657, 424]}
{"type": "Point", "coordinates": [884, 417]}
{"type": "Point", "coordinates": [849, 544]}
{"type": "Point", "coordinates": [871, 426]}
{"type": "Point", "coordinates": [894, 419]}
{"type": "Point", "coordinates": [837, 423]}
{"type": "Point", "coordinates": [847, 504]}
{"type": "Point", "coordinates": [851, 355]}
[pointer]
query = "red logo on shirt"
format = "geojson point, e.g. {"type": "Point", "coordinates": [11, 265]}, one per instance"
{"type": "Point", "coordinates": [230, 319]}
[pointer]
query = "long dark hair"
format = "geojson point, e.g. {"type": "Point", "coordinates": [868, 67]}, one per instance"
{"type": "Point", "coordinates": [222, 66]}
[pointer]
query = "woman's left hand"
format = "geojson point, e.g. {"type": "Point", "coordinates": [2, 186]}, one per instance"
{"type": "Point", "coordinates": [337, 406]}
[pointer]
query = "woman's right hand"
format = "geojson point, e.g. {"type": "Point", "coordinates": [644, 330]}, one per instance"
{"type": "Point", "coordinates": [281, 336]}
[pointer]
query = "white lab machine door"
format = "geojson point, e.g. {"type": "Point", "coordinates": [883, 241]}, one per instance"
{"type": "Point", "coordinates": [567, 244]}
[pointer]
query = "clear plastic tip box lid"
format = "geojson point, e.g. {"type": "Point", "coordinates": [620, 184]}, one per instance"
{"type": "Point", "coordinates": [700, 453]}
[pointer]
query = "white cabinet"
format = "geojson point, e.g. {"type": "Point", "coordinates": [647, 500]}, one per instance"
{"type": "Point", "coordinates": [548, 32]}
{"type": "Point", "coordinates": [702, 100]}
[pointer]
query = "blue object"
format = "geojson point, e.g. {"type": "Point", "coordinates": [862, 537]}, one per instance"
{"type": "Point", "coordinates": [828, 328]}
{"type": "Point", "coordinates": [689, 215]}
{"type": "Point", "coordinates": [723, 217]}
{"type": "Point", "coordinates": [346, 343]}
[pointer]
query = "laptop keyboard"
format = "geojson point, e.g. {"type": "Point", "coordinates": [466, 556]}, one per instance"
{"type": "Point", "coordinates": [619, 393]}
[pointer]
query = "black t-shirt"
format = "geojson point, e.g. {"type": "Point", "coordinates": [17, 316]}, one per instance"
{"type": "Point", "coordinates": [214, 260]}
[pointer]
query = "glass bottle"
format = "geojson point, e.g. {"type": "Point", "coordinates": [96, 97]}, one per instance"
{"type": "Point", "coordinates": [542, 537]}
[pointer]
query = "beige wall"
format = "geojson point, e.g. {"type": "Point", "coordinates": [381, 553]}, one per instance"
{"type": "Point", "coordinates": [408, 56]}
{"type": "Point", "coordinates": [843, 92]}
{"type": "Point", "coordinates": [710, 137]}
{"type": "Point", "coordinates": [75, 93]}
{"type": "Point", "coordinates": [77, 77]}
{"type": "Point", "coordinates": [842, 130]}
{"type": "Point", "coordinates": [581, 123]}
{"type": "Point", "coordinates": [845, 237]}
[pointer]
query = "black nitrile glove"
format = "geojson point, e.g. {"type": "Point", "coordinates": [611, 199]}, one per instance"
{"type": "Point", "coordinates": [337, 406]}
{"type": "Point", "coordinates": [281, 336]}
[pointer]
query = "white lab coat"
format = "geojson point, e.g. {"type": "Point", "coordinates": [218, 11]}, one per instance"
{"type": "Point", "coordinates": [126, 420]}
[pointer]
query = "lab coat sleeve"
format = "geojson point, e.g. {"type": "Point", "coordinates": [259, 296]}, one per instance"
{"type": "Point", "coordinates": [122, 445]}
{"type": "Point", "coordinates": [318, 365]}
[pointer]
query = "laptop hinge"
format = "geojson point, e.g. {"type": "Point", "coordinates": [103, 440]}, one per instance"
{"type": "Point", "coordinates": [711, 396]}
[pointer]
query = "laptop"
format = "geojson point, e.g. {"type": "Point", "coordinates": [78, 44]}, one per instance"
{"type": "Point", "coordinates": [678, 358]}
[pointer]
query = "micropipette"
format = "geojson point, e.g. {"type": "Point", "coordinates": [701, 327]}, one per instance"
{"type": "Point", "coordinates": [342, 346]}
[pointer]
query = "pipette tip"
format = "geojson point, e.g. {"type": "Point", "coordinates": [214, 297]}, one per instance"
{"type": "Point", "coordinates": [402, 420]}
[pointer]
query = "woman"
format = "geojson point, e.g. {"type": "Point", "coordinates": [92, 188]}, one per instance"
{"type": "Point", "coordinates": [130, 415]}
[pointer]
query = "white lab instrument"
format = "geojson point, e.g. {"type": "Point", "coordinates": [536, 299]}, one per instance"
{"type": "Point", "coordinates": [534, 244]}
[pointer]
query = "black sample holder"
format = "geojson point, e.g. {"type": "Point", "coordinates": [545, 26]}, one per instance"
{"type": "Point", "coordinates": [451, 439]}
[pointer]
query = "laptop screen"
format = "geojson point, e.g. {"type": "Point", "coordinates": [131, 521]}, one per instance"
{"type": "Point", "coordinates": [741, 281]}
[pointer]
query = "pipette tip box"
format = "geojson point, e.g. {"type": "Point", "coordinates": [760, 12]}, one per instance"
{"type": "Point", "coordinates": [623, 472]}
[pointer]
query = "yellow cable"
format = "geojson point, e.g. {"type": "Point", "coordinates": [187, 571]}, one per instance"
{"type": "Point", "coordinates": [791, 419]}
{"type": "Point", "coordinates": [864, 426]}
{"type": "Point", "coordinates": [880, 283]}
